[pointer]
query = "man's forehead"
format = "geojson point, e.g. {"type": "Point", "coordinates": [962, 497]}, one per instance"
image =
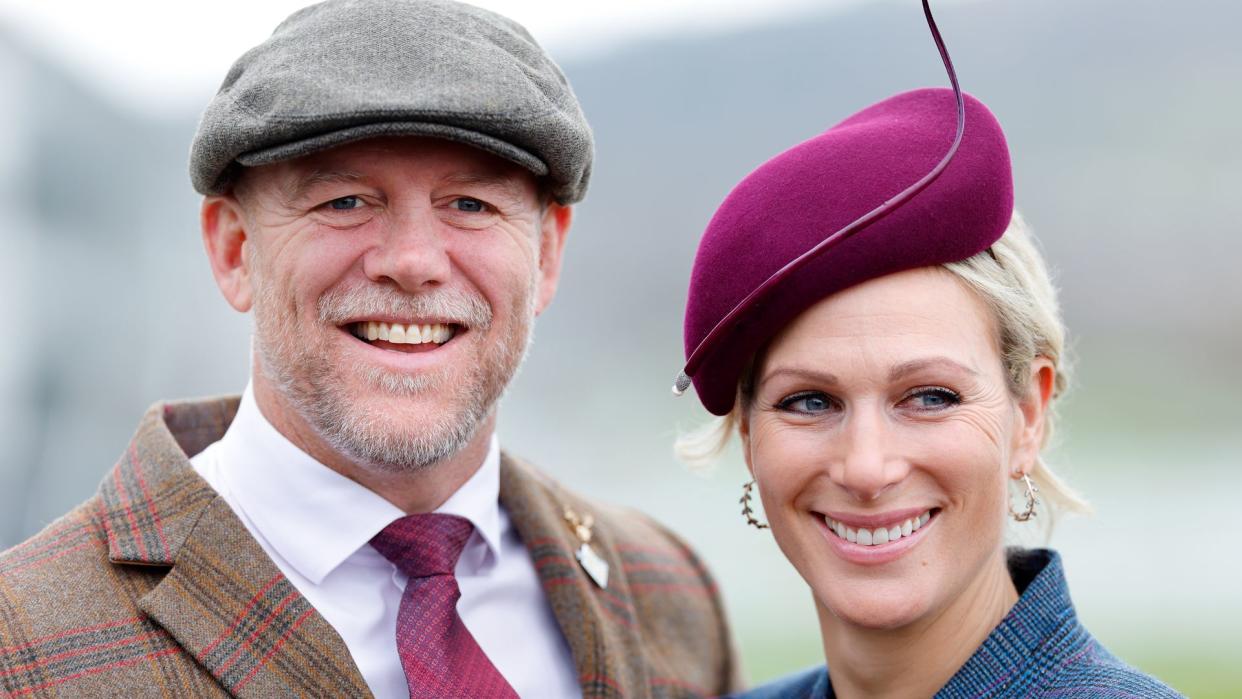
{"type": "Point", "coordinates": [404, 157]}
{"type": "Point", "coordinates": [403, 151]}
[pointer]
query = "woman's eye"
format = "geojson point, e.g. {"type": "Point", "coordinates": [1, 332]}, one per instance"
{"type": "Point", "coordinates": [469, 205]}
{"type": "Point", "coordinates": [932, 399]}
{"type": "Point", "coordinates": [806, 403]}
{"type": "Point", "coordinates": [345, 204]}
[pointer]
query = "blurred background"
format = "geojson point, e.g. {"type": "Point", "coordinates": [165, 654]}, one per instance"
{"type": "Point", "coordinates": [1123, 122]}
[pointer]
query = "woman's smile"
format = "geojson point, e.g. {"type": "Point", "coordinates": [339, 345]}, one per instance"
{"type": "Point", "coordinates": [876, 539]}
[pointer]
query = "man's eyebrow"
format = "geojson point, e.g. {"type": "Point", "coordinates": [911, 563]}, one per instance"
{"type": "Point", "coordinates": [299, 186]}
{"type": "Point", "coordinates": [509, 184]}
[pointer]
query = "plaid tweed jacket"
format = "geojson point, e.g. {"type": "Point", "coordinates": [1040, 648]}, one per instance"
{"type": "Point", "coordinates": [154, 588]}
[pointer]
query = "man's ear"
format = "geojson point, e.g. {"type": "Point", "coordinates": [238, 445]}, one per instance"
{"type": "Point", "coordinates": [225, 238]}
{"type": "Point", "coordinates": [1033, 408]}
{"type": "Point", "coordinates": [554, 229]}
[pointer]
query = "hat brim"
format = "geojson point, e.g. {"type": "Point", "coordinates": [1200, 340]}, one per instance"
{"type": "Point", "coordinates": [321, 142]}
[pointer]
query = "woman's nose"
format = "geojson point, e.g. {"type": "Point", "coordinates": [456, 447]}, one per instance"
{"type": "Point", "coordinates": [413, 254]}
{"type": "Point", "coordinates": [868, 461]}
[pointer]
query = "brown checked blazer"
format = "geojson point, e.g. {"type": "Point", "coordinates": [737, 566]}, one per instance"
{"type": "Point", "coordinates": [154, 588]}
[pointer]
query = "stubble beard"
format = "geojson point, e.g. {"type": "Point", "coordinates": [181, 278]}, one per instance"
{"type": "Point", "coordinates": [316, 388]}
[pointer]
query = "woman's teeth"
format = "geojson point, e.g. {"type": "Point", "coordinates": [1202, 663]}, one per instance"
{"type": "Point", "coordinates": [399, 334]}
{"type": "Point", "coordinates": [880, 535]}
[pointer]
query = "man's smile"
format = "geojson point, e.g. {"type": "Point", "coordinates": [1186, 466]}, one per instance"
{"type": "Point", "coordinates": [402, 337]}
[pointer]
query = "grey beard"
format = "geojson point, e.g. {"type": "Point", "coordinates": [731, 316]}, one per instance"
{"type": "Point", "coordinates": [369, 441]}
{"type": "Point", "coordinates": [309, 385]}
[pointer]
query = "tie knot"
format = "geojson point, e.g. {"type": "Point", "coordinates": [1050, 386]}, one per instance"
{"type": "Point", "coordinates": [424, 545]}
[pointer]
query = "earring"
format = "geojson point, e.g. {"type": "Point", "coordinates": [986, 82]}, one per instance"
{"type": "Point", "coordinates": [747, 512]}
{"type": "Point", "coordinates": [1032, 499]}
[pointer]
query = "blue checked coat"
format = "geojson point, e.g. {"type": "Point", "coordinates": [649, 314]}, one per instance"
{"type": "Point", "coordinates": [1038, 650]}
{"type": "Point", "coordinates": [154, 588]}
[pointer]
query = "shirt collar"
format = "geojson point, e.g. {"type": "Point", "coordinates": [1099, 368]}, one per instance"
{"type": "Point", "coordinates": [316, 518]}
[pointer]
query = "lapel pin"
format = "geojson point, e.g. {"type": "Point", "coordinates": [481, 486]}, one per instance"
{"type": "Point", "coordinates": [594, 565]}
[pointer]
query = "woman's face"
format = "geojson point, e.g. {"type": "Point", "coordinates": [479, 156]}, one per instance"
{"type": "Point", "coordinates": [882, 434]}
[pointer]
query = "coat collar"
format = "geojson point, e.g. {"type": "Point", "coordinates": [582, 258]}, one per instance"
{"type": "Point", "coordinates": [229, 606]}
{"type": "Point", "coordinates": [1041, 629]}
{"type": "Point", "coordinates": [600, 624]}
{"type": "Point", "coordinates": [223, 599]}
{"type": "Point", "coordinates": [152, 499]}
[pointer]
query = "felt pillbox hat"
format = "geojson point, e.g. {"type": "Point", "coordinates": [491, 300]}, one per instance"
{"type": "Point", "coordinates": [796, 200]}
{"type": "Point", "coordinates": [345, 70]}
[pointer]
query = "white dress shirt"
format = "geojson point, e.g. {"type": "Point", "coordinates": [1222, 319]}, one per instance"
{"type": "Point", "coordinates": [316, 525]}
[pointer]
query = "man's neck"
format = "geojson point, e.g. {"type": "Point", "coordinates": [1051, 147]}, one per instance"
{"type": "Point", "coordinates": [917, 660]}
{"type": "Point", "coordinates": [416, 491]}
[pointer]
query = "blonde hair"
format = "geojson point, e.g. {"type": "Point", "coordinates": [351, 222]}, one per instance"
{"type": "Point", "coordinates": [1013, 281]}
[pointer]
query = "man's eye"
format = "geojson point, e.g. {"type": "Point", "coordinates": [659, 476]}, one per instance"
{"type": "Point", "coordinates": [809, 403]}
{"type": "Point", "coordinates": [932, 399]}
{"type": "Point", "coordinates": [469, 205]}
{"type": "Point", "coordinates": [345, 203]}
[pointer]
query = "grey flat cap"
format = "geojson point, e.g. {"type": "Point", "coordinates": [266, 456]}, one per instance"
{"type": "Point", "coordinates": [345, 70]}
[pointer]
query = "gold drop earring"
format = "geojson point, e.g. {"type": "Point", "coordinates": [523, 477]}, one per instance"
{"type": "Point", "coordinates": [747, 511]}
{"type": "Point", "coordinates": [1032, 499]}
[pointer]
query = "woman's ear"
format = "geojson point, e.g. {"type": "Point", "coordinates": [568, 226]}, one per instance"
{"type": "Point", "coordinates": [225, 238]}
{"type": "Point", "coordinates": [743, 433]}
{"type": "Point", "coordinates": [1033, 409]}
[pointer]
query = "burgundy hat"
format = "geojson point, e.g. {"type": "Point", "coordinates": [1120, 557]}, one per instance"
{"type": "Point", "coordinates": [839, 191]}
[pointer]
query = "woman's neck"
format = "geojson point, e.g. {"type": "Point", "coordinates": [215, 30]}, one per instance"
{"type": "Point", "coordinates": [918, 659]}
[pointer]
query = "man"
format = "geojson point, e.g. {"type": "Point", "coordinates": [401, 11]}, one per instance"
{"type": "Point", "coordinates": [388, 187]}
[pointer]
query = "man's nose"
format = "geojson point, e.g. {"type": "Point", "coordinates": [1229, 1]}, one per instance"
{"type": "Point", "coordinates": [413, 253]}
{"type": "Point", "coordinates": [867, 461]}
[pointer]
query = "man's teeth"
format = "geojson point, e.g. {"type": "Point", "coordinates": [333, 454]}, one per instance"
{"type": "Point", "coordinates": [399, 334]}
{"type": "Point", "coordinates": [880, 535]}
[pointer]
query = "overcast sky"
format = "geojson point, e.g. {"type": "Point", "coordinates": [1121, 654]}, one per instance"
{"type": "Point", "coordinates": [169, 55]}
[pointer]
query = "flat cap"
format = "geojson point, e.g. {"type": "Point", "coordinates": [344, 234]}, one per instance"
{"type": "Point", "coordinates": [801, 197]}
{"type": "Point", "coordinates": [345, 70]}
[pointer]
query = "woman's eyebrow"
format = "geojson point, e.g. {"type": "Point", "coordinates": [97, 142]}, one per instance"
{"type": "Point", "coordinates": [904, 369]}
{"type": "Point", "coordinates": [798, 372]}
{"type": "Point", "coordinates": [897, 373]}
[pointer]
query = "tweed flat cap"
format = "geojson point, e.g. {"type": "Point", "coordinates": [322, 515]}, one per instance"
{"type": "Point", "coordinates": [797, 199]}
{"type": "Point", "coordinates": [345, 70]}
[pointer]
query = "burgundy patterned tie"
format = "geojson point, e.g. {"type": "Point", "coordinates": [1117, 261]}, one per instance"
{"type": "Point", "coordinates": [440, 657]}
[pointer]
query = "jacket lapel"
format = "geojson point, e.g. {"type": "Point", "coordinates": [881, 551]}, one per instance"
{"type": "Point", "coordinates": [223, 599]}
{"type": "Point", "coordinates": [227, 604]}
{"type": "Point", "coordinates": [600, 624]}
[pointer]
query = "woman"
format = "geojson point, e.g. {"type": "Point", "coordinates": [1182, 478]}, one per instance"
{"type": "Point", "coordinates": [889, 358]}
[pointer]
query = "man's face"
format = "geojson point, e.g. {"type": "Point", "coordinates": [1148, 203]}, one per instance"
{"type": "Point", "coordinates": [394, 284]}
